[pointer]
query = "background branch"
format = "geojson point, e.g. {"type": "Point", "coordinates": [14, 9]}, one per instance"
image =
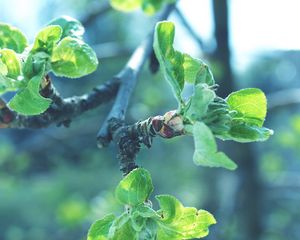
{"type": "Point", "coordinates": [128, 78]}
{"type": "Point", "coordinates": [283, 98]}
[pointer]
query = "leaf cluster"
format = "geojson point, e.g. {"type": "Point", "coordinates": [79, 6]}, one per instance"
{"type": "Point", "coordinates": [57, 48]}
{"type": "Point", "coordinates": [238, 117]}
{"type": "Point", "coordinates": [141, 222]}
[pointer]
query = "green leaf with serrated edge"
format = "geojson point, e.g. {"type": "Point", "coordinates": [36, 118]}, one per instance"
{"type": "Point", "coordinates": [70, 26]}
{"type": "Point", "coordinates": [34, 63]}
{"type": "Point", "coordinates": [192, 223]}
{"type": "Point", "coordinates": [8, 84]}
{"type": "Point", "coordinates": [12, 38]}
{"type": "Point", "coordinates": [3, 68]}
{"type": "Point", "coordinates": [11, 60]}
{"type": "Point", "coordinates": [29, 101]}
{"type": "Point", "coordinates": [100, 229]}
{"type": "Point", "coordinates": [250, 105]}
{"type": "Point", "coordinates": [242, 132]}
{"type": "Point", "coordinates": [121, 228]}
{"type": "Point", "coordinates": [171, 61]}
{"type": "Point", "coordinates": [134, 188]}
{"type": "Point", "coordinates": [126, 5]}
{"type": "Point", "coordinates": [199, 102]}
{"type": "Point", "coordinates": [73, 58]}
{"type": "Point", "coordinates": [144, 211]}
{"type": "Point", "coordinates": [170, 208]}
{"type": "Point", "coordinates": [46, 39]}
{"type": "Point", "coordinates": [149, 232]}
{"type": "Point", "coordinates": [206, 149]}
{"type": "Point", "coordinates": [196, 71]}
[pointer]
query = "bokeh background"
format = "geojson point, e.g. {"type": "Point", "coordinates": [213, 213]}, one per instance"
{"type": "Point", "coordinates": [54, 182]}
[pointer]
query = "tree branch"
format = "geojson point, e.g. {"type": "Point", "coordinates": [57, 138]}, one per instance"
{"type": "Point", "coordinates": [283, 98]}
{"type": "Point", "coordinates": [189, 28]}
{"type": "Point", "coordinates": [128, 77]}
{"type": "Point", "coordinates": [96, 12]}
{"type": "Point", "coordinates": [63, 110]}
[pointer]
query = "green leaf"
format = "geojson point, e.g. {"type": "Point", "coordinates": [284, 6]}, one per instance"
{"type": "Point", "coordinates": [199, 102]}
{"type": "Point", "coordinates": [100, 229]}
{"type": "Point", "coordinates": [250, 104]}
{"type": "Point", "coordinates": [122, 229]}
{"type": "Point", "coordinates": [11, 60]}
{"type": "Point", "coordinates": [12, 38]}
{"type": "Point", "coordinates": [149, 232]}
{"type": "Point", "coordinates": [171, 61]}
{"type": "Point", "coordinates": [242, 132]}
{"type": "Point", "coordinates": [144, 211]}
{"type": "Point", "coordinates": [29, 101]}
{"type": "Point", "coordinates": [3, 68]}
{"type": "Point", "coordinates": [191, 223]}
{"type": "Point", "coordinates": [196, 71]}
{"type": "Point", "coordinates": [70, 26]}
{"type": "Point", "coordinates": [73, 58]}
{"type": "Point", "coordinates": [170, 208]}
{"type": "Point", "coordinates": [46, 39]}
{"type": "Point", "coordinates": [206, 149]}
{"type": "Point", "coordinates": [126, 5]}
{"type": "Point", "coordinates": [8, 84]}
{"type": "Point", "coordinates": [135, 188]}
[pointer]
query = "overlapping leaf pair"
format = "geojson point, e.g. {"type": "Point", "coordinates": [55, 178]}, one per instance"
{"type": "Point", "coordinates": [239, 117]}
{"type": "Point", "coordinates": [141, 222]}
{"type": "Point", "coordinates": [57, 48]}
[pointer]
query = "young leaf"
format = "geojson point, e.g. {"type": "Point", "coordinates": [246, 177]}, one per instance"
{"type": "Point", "coordinates": [135, 188]}
{"type": "Point", "coordinates": [100, 229]}
{"type": "Point", "coordinates": [29, 101]}
{"type": "Point", "coordinates": [196, 71]}
{"type": "Point", "coordinates": [148, 232]}
{"type": "Point", "coordinates": [171, 61]}
{"type": "Point", "coordinates": [191, 223]}
{"type": "Point", "coordinates": [121, 229]}
{"type": "Point", "coordinates": [199, 102]}
{"type": "Point", "coordinates": [242, 132]}
{"type": "Point", "coordinates": [170, 208]}
{"type": "Point", "coordinates": [12, 38]}
{"type": "Point", "coordinates": [126, 5]}
{"type": "Point", "coordinates": [46, 39]}
{"type": "Point", "coordinates": [11, 60]}
{"type": "Point", "coordinates": [70, 26]}
{"type": "Point", "coordinates": [206, 149]}
{"type": "Point", "coordinates": [8, 84]}
{"type": "Point", "coordinates": [250, 104]}
{"type": "Point", "coordinates": [3, 68]}
{"type": "Point", "coordinates": [73, 58]}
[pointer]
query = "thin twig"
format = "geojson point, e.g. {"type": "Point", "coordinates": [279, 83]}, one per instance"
{"type": "Point", "coordinates": [189, 28]}
{"type": "Point", "coordinates": [128, 78]}
{"type": "Point", "coordinates": [62, 111]}
{"type": "Point", "coordinates": [95, 13]}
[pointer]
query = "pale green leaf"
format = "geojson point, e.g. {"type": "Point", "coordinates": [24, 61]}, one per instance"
{"type": "Point", "coordinates": [206, 149]}
{"type": "Point", "coordinates": [70, 26]}
{"type": "Point", "coordinates": [171, 61]}
{"type": "Point", "coordinates": [73, 58]}
{"type": "Point", "coordinates": [8, 84]}
{"type": "Point", "coordinates": [3, 68]}
{"type": "Point", "coordinates": [170, 208]}
{"type": "Point", "coordinates": [46, 39]}
{"type": "Point", "coordinates": [191, 223]}
{"type": "Point", "coordinates": [149, 232]}
{"type": "Point", "coordinates": [122, 229]}
{"type": "Point", "coordinates": [134, 188]}
{"type": "Point", "coordinates": [100, 229]}
{"type": "Point", "coordinates": [196, 71]}
{"type": "Point", "coordinates": [199, 102]}
{"type": "Point", "coordinates": [29, 101]}
{"type": "Point", "coordinates": [11, 60]}
{"type": "Point", "coordinates": [126, 5]}
{"type": "Point", "coordinates": [12, 38]}
{"type": "Point", "coordinates": [242, 132]}
{"type": "Point", "coordinates": [250, 104]}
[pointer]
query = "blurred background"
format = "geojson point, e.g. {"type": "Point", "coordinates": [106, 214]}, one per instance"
{"type": "Point", "coordinates": [54, 182]}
